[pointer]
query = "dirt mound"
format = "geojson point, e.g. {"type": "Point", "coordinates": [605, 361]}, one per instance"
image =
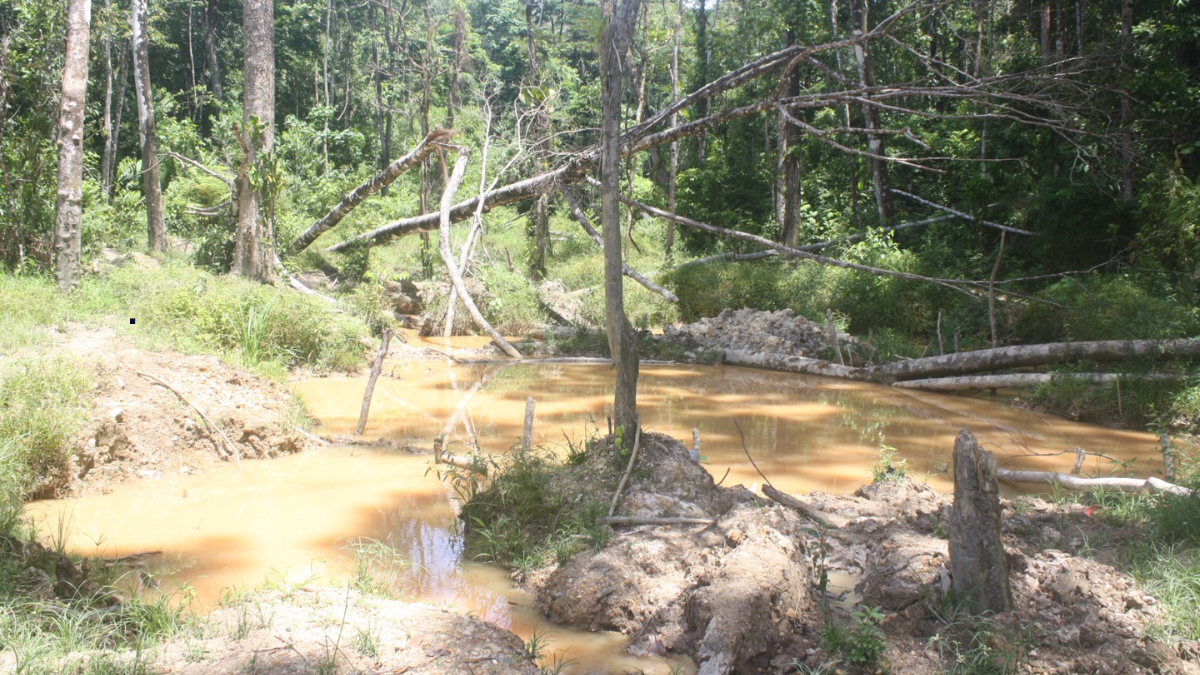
{"type": "Point", "coordinates": [333, 631]}
{"type": "Point", "coordinates": [142, 429]}
{"type": "Point", "coordinates": [755, 331]}
{"type": "Point", "coordinates": [724, 593]}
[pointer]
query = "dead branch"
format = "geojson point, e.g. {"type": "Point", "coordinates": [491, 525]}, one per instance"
{"type": "Point", "coordinates": [1070, 482]}
{"type": "Point", "coordinates": [366, 404]}
{"type": "Point", "coordinates": [193, 163]}
{"type": "Point", "coordinates": [637, 437]}
{"type": "Point", "coordinates": [964, 216]}
{"type": "Point", "coordinates": [582, 219]}
{"type": "Point", "coordinates": [224, 446]}
{"type": "Point", "coordinates": [645, 520]}
{"type": "Point", "coordinates": [795, 504]}
{"type": "Point", "coordinates": [1018, 380]}
{"type": "Point", "coordinates": [435, 139]}
{"type": "Point", "coordinates": [456, 178]}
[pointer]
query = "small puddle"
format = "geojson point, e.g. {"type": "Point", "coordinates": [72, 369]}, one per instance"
{"type": "Point", "coordinates": [291, 520]}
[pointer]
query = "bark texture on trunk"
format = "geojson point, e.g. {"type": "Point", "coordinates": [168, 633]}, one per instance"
{"type": "Point", "coordinates": [68, 203]}
{"type": "Point", "coordinates": [108, 161]}
{"type": "Point", "coordinates": [620, 18]}
{"type": "Point", "coordinates": [156, 228]}
{"type": "Point", "coordinates": [253, 248]}
{"type": "Point", "coordinates": [789, 162]}
{"type": "Point", "coordinates": [977, 561]}
{"type": "Point", "coordinates": [1126, 101]}
{"type": "Point", "coordinates": [673, 176]}
{"type": "Point", "coordinates": [210, 51]}
{"type": "Point", "coordinates": [866, 77]}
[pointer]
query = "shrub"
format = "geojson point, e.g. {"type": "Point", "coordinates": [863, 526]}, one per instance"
{"type": "Point", "coordinates": [1105, 308]}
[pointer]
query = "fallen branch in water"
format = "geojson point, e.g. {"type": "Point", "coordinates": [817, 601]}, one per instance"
{"type": "Point", "coordinates": [224, 446]}
{"type": "Point", "coordinates": [370, 391]}
{"type": "Point", "coordinates": [646, 520]}
{"type": "Point", "coordinates": [1070, 482]}
{"type": "Point", "coordinates": [1019, 380]}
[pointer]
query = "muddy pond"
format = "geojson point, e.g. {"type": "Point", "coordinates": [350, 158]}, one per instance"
{"type": "Point", "coordinates": [297, 519]}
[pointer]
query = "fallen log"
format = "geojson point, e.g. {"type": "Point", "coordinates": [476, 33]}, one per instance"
{"type": "Point", "coordinates": [424, 149]}
{"type": "Point", "coordinates": [795, 504]}
{"type": "Point", "coordinates": [1017, 380]}
{"type": "Point", "coordinates": [1070, 482]}
{"type": "Point", "coordinates": [1025, 356]}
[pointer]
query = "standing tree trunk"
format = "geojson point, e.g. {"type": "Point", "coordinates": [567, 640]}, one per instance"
{"type": "Point", "coordinates": [704, 55]}
{"type": "Point", "coordinates": [1126, 101]}
{"type": "Point", "coordinates": [866, 77]}
{"type": "Point", "coordinates": [68, 203]}
{"type": "Point", "coordinates": [253, 249]}
{"type": "Point", "coordinates": [210, 51]}
{"type": "Point", "coordinates": [156, 228]}
{"type": "Point", "coordinates": [106, 126]}
{"type": "Point", "coordinates": [789, 163]}
{"type": "Point", "coordinates": [539, 216]}
{"type": "Point", "coordinates": [674, 171]}
{"type": "Point", "coordinates": [620, 17]}
{"type": "Point", "coordinates": [109, 160]}
{"type": "Point", "coordinates": [977, 560]}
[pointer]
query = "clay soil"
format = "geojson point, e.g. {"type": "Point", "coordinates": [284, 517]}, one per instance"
{"type": "Point", "coordinates": [744, 593]}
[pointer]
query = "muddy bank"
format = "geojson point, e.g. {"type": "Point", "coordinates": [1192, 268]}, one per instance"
{"type": "Point", "coordinates": [140, 429]}
{"type": "Point", "coordinates": [749, 592]}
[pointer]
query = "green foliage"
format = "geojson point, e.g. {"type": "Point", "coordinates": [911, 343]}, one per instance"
{"type": "Point", "coordinates": [43, 405]}
{"type": "Point", "coordinates": [887, 467]}
{"type": "Point", "coordinates": [861, 642]}
{"type": "Point", "coordinates": [1106, 308]}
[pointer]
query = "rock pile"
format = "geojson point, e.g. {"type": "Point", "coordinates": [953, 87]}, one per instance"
{"type": "Point", "coordinates": [755, 331]}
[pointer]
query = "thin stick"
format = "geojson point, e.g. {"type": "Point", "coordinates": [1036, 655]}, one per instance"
{"type": "Point", "coordinates": [793, 503]}
{"type": "Point", "coordinates": [224, 445]}
{"type": "Point", "coordinates": [646, 520]}
{"type": "Point", "coordinates": [366, 404]}
{"type": "Point", "coordinates": [747, 451]}
{"type": "Point", "coordinates": [527, 435]}
{"type": "Point", "coordinates": [637, 437]}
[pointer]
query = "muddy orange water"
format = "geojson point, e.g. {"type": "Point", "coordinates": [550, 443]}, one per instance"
{"type": "Point", "coordinates": [293, 519]}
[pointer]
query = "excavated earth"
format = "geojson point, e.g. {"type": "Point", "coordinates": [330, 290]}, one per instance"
{"type": "Point", "coordinates": [743, 594]}
{"type": "Point", "coordinates": [755, 331]}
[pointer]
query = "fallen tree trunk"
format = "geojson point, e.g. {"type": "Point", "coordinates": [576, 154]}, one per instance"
{"type": "Point", "coordinates": [1070, 482]}
{"type": "Point", "coordinates": [628, 271]}
{"type": "Point", "coordinates": [1026, 356]}
{"type": "Point", "coordinates": [795, 504]}
{"type": "Point", "coordinates": [384, 178]}
{"type": "Point", "coordinates": [1018, 380]}
{"type": "Point", "coordinates": [456, 178]}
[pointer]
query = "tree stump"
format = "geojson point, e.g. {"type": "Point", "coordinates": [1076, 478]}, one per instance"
{"type": "Point", "coordinates": [977, 561]}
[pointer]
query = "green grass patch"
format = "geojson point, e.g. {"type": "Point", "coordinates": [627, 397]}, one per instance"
{"type": "Point", "coordinates": [533, 507]}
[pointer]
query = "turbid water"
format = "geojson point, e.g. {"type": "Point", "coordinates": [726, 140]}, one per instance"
{"type": "Point", "coordinates": [296, 519]}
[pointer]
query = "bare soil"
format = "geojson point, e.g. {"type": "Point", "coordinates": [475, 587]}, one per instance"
{"type": "Point", "coordinates": [743, 595]}
{"type": "Point", "coordinates": [140, 429]}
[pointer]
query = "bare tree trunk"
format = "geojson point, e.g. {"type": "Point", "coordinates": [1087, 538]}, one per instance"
{"type": "Point", "coordinates": [460, 35]}
{"type": "Point", "coordinates": [152, 186]}
{"type": "Point", "coordinates": [5, 40]}
{"type": "Point", "coordinates": [705, 57]}
{"type": "Point", "coordinates": [106, 126]}
{"type": "Point", "coordinates": [853, 161]}
{"type": "Point", "coordinates": [1047, 54]}
{"type": "Point", "coordinates": [789, 162]}
{"type": "Point", "coordinates": [866, 77]}
{"type": "Point", "coordinates": [674, 171]}
{"type": "Point", "coordinates": [252, 252]}
{"type": "Point", "coordinates": [108, 162]}
{"type": "Point", "coordinates": [992, 289]}
{"type": "Point", "coordinates": [365, 412]}
{"type": "Point", "coordinates": [210, 51]}
{"type": "Point", "coordinates": [539, 217]}
{"type": "Point", "coordinates": [1126, 101]}
{"type": "Point", "coordinates": [68, 206]}
{"type": "Point", "coordinates": [620, 18]}
{"type": "Point", "coordinates": [977, 561]}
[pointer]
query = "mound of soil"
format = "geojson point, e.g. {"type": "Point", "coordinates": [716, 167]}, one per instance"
{"type": "Point", "coordinates": [755, 331]}
{"type": "Point", "coordinates": [332, 631]}
{"type": "Point", "coordinates": [142, 429]}
{"type": "Point", "coordinates": [743, 594]}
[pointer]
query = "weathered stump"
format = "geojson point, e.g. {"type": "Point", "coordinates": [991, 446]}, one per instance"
{"type": "Point", "coordinates": [977, 561]}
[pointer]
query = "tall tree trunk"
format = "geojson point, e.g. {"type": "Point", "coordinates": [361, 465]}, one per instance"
{"type": "Point", "coordinates": [108, 162]}
{"type": "Point", "coordinates": [704, 54]}
{"type": "Point", "coordinates": [458, 40]}
{"type": "Point", "coordinates": [539, 216]}
{"type": "Point", "coordinates": [789, 163]}
{"type": "Point", "coordinates": [1047, 53]}
{"type": "Point", "coordinates": [253, 250]}
{"type": "Point", "coordinates": [156, 228]}
{"type": "Point", "coordinates": [674, 171]}
{"type": "Point", "coordinates": [68, 203]}
{"type": "Point", "coordinates": [851, 159]}
{"type": "Point", "coordinates": [106, 127]}
{"type": "Point", "coordinates": [5, 180]}
{"type": "Point", "coordinates": [210, 51]}
{"type": "Point", "coordinates": [1126, 100]}
{"type": "Point", "coordinates": [620, 18]}
{"type": "Point", "coordinates": [866, 77]}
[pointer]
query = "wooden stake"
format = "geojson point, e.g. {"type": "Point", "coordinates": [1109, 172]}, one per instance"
{"type": "Point", "coordinates": [527, 436]}
{"type": "Point", "coordinates": [695, 454]}
{"type": "Point", "coordinates": [366, 404]}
